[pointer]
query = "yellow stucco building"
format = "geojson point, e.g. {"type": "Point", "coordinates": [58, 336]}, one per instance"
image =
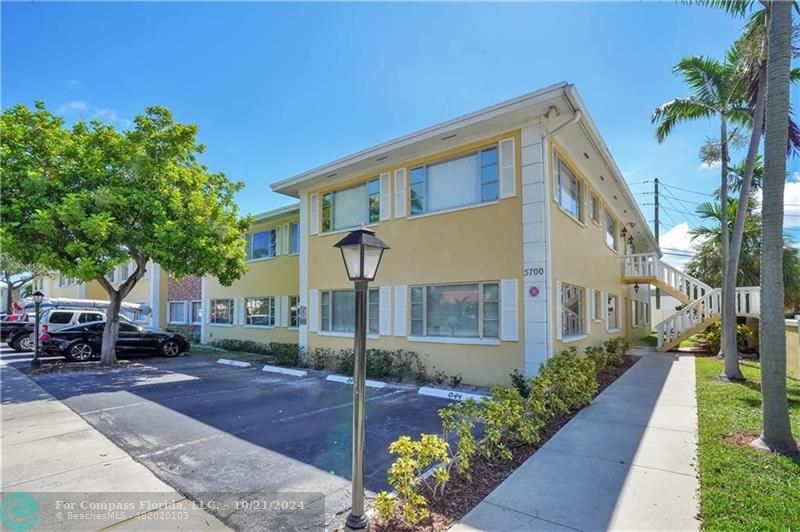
{"type": "Point", "coordinates": [506, 226]}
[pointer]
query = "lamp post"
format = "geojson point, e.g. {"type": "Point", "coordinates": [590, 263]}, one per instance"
{"type": "Point", "coordinates": [37, 303]}
{"type": "Point", "coordinates": [361, 252]}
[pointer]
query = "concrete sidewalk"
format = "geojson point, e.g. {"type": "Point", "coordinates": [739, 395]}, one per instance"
{"type": "Point", "coordinates": [625, 462]}
{"type": "Point", "coordinates": [52, 454]}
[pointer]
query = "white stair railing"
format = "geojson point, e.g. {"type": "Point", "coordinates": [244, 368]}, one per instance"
{"type": "Point", "coordinates": [677, 326]}
{"type": "Point", "coordinates": [650, 265]}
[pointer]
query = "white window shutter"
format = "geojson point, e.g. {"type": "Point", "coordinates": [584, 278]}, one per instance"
{"type": "Point", "coordinates": [558, 310]}
{"type": "Point", "coordinates": [207, 311]}
{"type": "Point", "coordinates": [313, 311]}
{"type": "Point", "coordinates": [386, 196]}
{"type": "Point", "coordinates": [313, 214]}
{"type": "Point", "coordinates": [278, 240]}
{"type": "Point", "coordinates": [588, 315]}
{"type": "Point", "coordinates": [400, 310]}
{"type": "Point", "coordinates": [508, 169]}
{"type": "Point", "coordinates": [278, 309]}
{"type": "Point", "coordinates": [286, 247]}
{"type": "Point", "coordinates": [385, 304]}
{"type": "Point", "coordinates": [284, 304]}
{"type": "Point", "coordinates": [508, 316]}
{"type": "Point", "coordinates": [400, 193]}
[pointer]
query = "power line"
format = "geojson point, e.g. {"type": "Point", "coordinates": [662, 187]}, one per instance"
{"type": "Point", "coordinates": [688, 190]}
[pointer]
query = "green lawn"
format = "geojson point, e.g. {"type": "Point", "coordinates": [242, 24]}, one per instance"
{"type": "Point", "coordinates": [742, 488]}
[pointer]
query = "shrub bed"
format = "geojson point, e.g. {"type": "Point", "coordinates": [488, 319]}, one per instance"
{"type": "Point", "coordinates": [283, 354]}
{"type": "Point", "coordinates": [490, 438]}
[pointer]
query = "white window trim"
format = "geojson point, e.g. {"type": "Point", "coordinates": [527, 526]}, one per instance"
{"type": "Point", "coordinates": [246, 325]}
{"type": "Point", "coordinates": [557, 160]}
{"type": "Point", "coordinates": [232, 302]}
{"type": "Point", "coordinates": [345, 335]}
{"type": "Point", "coordinates": [560, 311]}
{"type": "Point", "coordinates": [480, 285]}
{"type": "Point", "coordinates": [365, 184]}
{"type": "Point", "coordinates": [190, 311]}
{"type": "Point", "coordinates": [185, 312]}
{"type": "Point", "coordinates": [573, 338]}
{"type": "Point", "coordinates": [454, 340]}
{"type": "Point", "coordinates": [600, 207]}
{"type": "Point", "coordinates": [260, 259]}
{"type": "Point", "coordinates": [275, 230]}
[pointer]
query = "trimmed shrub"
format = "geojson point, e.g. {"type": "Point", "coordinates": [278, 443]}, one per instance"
{"type": "Point", "coordinates": [283, 354]}
{"type": "Point", "coordinates": [519, 382]}
{"type": "Point", "coordinates": [571, 381]}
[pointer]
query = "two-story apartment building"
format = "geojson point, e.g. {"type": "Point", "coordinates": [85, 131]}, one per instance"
{"type": "Point", "coordinates": [506, 229]}
{"type": "Point", "coordinates": [263, 304]}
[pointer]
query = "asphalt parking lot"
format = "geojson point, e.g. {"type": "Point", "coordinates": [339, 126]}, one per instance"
{"type": "Point", "coordinates": [239, 434]}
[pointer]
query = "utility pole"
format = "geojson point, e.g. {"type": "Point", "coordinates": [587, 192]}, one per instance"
{"type": "Point", "coordinates": [655, 203]}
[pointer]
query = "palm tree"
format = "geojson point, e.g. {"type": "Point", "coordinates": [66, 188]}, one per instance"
{"type": "Point", "coordinates": [776, 430]}
{"type": "Point", "coordinates": [718, 90]}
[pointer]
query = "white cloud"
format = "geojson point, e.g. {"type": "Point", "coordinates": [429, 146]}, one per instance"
{"type": "Point", "coordinates": [73, 84]}
{"type": "Point", "coordinates": [791, 204]}
{"type": "Point", "coordinates": [677, 245]}
{"type": "Point", "coordinates": [82, 110]}
{"type": "Point", "coordinates": [710, 166]}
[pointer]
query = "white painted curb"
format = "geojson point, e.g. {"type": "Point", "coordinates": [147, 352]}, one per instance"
{"type": "Point", "coordinates": [453, 395]}
{"type": "Point", "coordinates": [237, 363]}
{"type": "Point", "coordinates": [285, 371]}
{"type": "Point", "coordinates": [349, 380]}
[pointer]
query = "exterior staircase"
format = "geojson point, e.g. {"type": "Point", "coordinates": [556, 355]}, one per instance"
{"type": "Point", "coordinates": [703, 303]}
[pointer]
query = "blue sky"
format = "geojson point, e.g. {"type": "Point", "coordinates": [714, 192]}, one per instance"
{"type": "Point", "coordinates": [280, 88]}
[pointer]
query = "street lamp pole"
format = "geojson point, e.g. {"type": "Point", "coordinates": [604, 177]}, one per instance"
{"type": "Point", "coordinates": [361, 252]}
{"type": "Point", "coordinates": [37, 303]}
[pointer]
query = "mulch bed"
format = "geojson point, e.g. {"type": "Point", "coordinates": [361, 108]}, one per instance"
{"type": "Point", "coordinates": [742, 438]}
{"type": "Point", "coordinates": [462, 495]}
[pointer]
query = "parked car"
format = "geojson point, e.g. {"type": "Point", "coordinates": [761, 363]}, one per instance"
{"type": "Point", "coordinates": [19, 335]}
{"type": "Point", "coordinates": [81, 343]}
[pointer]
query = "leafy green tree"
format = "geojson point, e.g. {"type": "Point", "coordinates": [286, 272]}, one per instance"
{"type": "Point", "coordinates": [718, 91]}
{"type": "Point", "coordinates": [15, 274]}
{"type": "Point", "coordinates": [85, 199]}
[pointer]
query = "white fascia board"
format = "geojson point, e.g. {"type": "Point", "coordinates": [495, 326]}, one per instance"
{"type": "Point", "coordinates": [577, 102]}
{"type": "Point", "coordinates": [277, 212]}
{"type": "Point", "coordinates": [290, 186]}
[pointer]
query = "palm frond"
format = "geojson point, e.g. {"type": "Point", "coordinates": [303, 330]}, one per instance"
{"type": "Point", "coordinates": [677, 111]}
{"type": "Point", "coordinates": [736, 8]}
{"type": "Point", "coordinates": [705, 75]}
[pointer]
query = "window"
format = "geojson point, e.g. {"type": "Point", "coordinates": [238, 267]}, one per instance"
{"type": "Point", "coordinates": [87, 317]}
{"type": "Point", "coordinates": [597, 305]}
{"type": "Point", "coordinates": [221, 311]}
{"type": "Point", "coordinates": [596, 208]}
{"type": "Point", "coordinates": [338, 311]}
{"type": "Point", "coordinates": [294, 311]}
{"type": "Point", "coordinates": [351, 207]}
{"type": "Point", "coordinates": [466, 180]}
{"type": "Point", "coordinates": [134, 315]}
{"type": "Point", "coordinates": [458, 310]}
{"type": "Point", "coordinates": [261, 244]}
{"type": "Point", "coordinates": [294, 238]}
{"type": "Point", "coordinates": [612, 322]}
{"type": "Point", "coordinates": [260, 311]}
{"type": "Point", "coordinates": [176, 312]}
{"type": "Point", "coordinates": [197, 312]}
{"type": "Point", "coordinates": [128, 328]}
{"type": "Point", "coordinates": [60, 317]}
{"type": "Point", "coordinates": [569, 190]}
{"type": "Point", "coordinates": [572, 312]}
{"type": "Point", "coordinates": [122, 272]}
{"type": "Point", "coordinates": [611, 231]}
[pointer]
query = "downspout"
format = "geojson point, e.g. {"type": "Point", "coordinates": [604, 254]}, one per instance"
{"type": "Point", "coordinates": [548, 183]}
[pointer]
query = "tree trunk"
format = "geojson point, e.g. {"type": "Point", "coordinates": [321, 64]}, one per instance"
{"type": "Point", "coordinates": [728, 288]}
{"type": "Point", "coordinates": [108, 356]}
{"type": "Point", "coordinates": [729, 337]}
{"type": "Point", "coordinates": [776, 430]}
{"type": "Point", "coordinates": [9, 302]}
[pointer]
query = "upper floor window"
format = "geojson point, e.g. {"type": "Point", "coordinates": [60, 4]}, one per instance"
{"type": "Point", "coordinates": [569, 190]}
{"type": "Point", "coordinates": [261, 244]}
{"type": "Point", "coordinates": [465, 180]}
{"type": "Point", "coordinates": [611, 231]}
{"type": "Point", "coordinates": [596, 208]}
{"type": "Point", "coordinates": [351, 207]}
{"type": "Point", "coordinates": [294, 238]}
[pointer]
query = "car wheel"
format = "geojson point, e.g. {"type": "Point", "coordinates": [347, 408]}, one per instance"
{"type": "Point", "coordinates": [170, 348]}
{"type": "Point", "coordinates": [25, 343]}
{"type": "Point", "coordinates": [80, 352]}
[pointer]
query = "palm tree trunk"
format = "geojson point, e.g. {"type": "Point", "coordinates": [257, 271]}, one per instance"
{"type": "Point", "coordinates": [776, 430]}
{"type": "Point", "coordinates": [729, 335]}
{"type": "Point", "coordinates": [728, 288]}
